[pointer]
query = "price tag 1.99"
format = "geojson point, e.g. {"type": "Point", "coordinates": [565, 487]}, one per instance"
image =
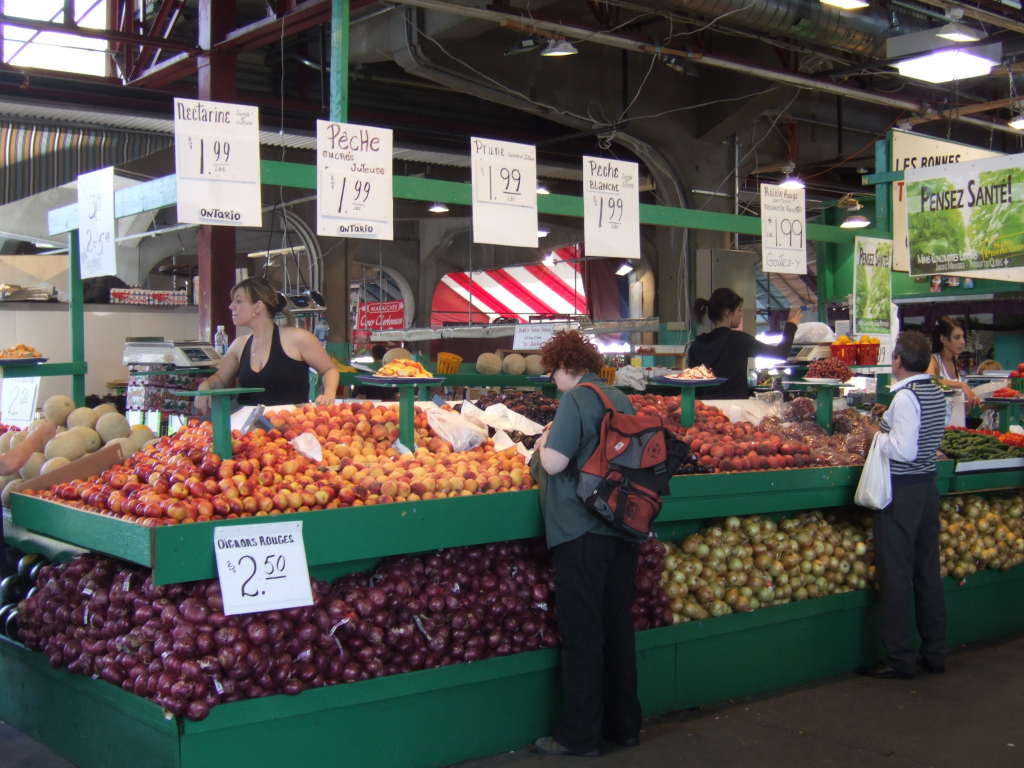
{"type": "Point", "coordinates": [504, 192]}
{"type": "Point", "coordinates": [611, 208]}
{"type": "Point", "coordinates": [783, 228]}
{"type": "Point", "coordinates": [262, 567]}
{"type": "Point", "coordinates": [354, 181]}
{"type": "Point", "coordinates": [18, 401]}
{"type": "Point", "coordinates": [217, 162]}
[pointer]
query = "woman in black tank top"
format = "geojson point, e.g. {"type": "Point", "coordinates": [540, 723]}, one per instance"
{"type": "Point", "coordinates": [263, 359]}
{"type": "Point", "coordinates": [285, 379]}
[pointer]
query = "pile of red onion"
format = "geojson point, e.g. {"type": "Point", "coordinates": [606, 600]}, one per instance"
{"type": "Point", "coordinates": [173, 644]}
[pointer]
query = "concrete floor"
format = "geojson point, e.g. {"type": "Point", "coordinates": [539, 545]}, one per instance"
{"type": "Point", "coordinates": [971, 717]}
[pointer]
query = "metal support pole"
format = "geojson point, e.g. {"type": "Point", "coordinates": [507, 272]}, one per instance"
{"type": "Point", "coordinates": [687, 406]}
{"type": "Point", "coordinates": [76, 317]}
{"type": "Point", "coordinates": [339, 60]}
{"type": "Point", "coordinates": [823, 407]}
{"type": "Point", "coordinates": [407, 415]}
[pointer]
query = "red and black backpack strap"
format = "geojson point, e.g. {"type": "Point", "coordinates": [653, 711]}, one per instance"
{"type": "Point", "coordinates": [600, 393]}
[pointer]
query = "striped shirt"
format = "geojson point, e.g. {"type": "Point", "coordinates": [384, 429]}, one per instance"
{"type": "Point", "coordinates": [913, 426]}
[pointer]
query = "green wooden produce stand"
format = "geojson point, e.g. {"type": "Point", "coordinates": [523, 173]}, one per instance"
{"type": "Point", "coordinates": [464, 711]}
{"type": "Point", "coordinates": [443, 716]}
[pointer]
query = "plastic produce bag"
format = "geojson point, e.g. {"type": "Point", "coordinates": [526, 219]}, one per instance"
{"type": "Point", "coordinates": [309, 446]}
{"type": "Point", "coordinates": [499, 416]}
{"type": "Point", "coordinates": [874, 490]}
{"type": "Point", "coordinates": [456, 430]}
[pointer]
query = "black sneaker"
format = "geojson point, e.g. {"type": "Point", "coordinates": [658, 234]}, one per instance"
{"type": "Point", "coordinates": [885, 672]}
{"type": "Point", "coordinates": [549, 745]}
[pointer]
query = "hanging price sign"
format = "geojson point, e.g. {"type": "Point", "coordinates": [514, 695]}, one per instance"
{"type": "Point", "coordinates": [262, 567]}
{"type": "Point", "coordinates": [611, 208]}
{"type": "Point", "coordinates": [18, 401]}
{"type": "Point", "coordinates": [504, 192]}
{"type": "Point", "coordinates": [353, 181]}
{"type": "Point", "coordinates": [217, 161]}
{"type": "Point", "coordinates": [96, 225]}
{"type": "Point", "coordinates": [783, 228]}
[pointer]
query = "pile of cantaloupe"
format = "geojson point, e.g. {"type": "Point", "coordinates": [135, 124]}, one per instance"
{"type": "Point", "coordinates": [80, 431]}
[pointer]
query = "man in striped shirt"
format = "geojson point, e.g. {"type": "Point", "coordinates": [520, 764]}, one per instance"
{"type": "Point", "coordinates": [907, 531]}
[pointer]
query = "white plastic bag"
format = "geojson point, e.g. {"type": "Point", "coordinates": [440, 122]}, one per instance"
{"type": "Point", "coordinates": [309, 446]}
{"type": "Point", "coordinates": [874, 490]}
{"type": "Point", "coordinates": [451, 427]}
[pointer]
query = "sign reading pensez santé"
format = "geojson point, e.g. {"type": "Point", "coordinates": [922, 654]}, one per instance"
{"type": "Point", "coordinates": [968, 216]}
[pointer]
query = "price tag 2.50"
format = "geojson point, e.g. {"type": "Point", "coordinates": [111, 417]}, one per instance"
{"type": "Point", "coordinates": [262, 567]}
{"type": "Point", "coordinates": [18, 401]}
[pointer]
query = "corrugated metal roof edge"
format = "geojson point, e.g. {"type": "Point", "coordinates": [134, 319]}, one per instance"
{"type": "Point", "coordinates": [15, 110]}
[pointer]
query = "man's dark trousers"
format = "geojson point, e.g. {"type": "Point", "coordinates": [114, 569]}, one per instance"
{"type": "Point", "coordinates": [907, 567]}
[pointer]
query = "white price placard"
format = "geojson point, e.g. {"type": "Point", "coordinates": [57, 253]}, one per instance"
{"type": "Point", "coordinates": [262, 567]}
{"type": "Point", "coordinates": [97, 227]}
{"type": "Point", "coordinates": [504, 192]}
{"type": "Point", "coordinates": [783, 230]}
{"type": "Point", "coordinates": [18, 401]}
{"type": "Point", "coordinates": [217, 162]}
{"type": "Point", "coordinates": [353, 181]}
{"type": "Point", "coordinates": [611, 208]}
{"type": "Point", "coordinates": [532, 336]}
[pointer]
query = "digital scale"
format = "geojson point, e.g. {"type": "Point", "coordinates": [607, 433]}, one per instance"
{"type": "Point", "coordinates": [154, 350]}
{"type": "Point", "coordinates": [811, 352]}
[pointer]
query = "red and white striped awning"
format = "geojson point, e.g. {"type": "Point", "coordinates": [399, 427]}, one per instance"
{"type": "Point", "coordinates": [521, 292]}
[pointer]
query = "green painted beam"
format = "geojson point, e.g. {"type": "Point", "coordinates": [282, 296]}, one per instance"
{"type": "Point", "coordinates": [340, 29]}
{"type": "Point", "coordinates": [147, 196]}
{"type": "Point", "coordinates": [43, 369]}
{"type": "Point", "coordinates": [160, 193]}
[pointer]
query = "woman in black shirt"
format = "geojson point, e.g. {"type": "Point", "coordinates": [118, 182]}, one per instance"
{"type": "Point", "coordinates": [276, 359]}
{"type": "Point", "coordinates": [726, 350]}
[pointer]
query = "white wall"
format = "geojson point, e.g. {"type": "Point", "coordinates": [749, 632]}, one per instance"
{"type": "Point", "coordinates": [45, 327]}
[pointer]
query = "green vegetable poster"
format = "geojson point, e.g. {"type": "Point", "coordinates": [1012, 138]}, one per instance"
{"type": "Point", "coordinates": [872, 285]}
{"type": "Point", "coordinates": [966, 217]}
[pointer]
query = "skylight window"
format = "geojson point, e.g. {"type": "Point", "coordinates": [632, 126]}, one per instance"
{"type": "Point", "coordinates": [33, 48]}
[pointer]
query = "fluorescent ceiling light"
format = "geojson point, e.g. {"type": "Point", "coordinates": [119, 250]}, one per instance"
{"type": "Point", "coordinates": [549, 259]}
{"type": "Point", "coordinates": [855, 221]}
{"type": "Point", "coordinates": [559, 48]}
{"type": "Point", "coordinates": [438, 208]}
{"type": "Point", "coordinates": [542, 190]}
{"type": "Point", "coordinates": [792, 182]}
{"type": "Point", "coordinates": [959, 33]}
{"type": "Point", "coordinates": [1017, 122]}
{"type": "Point", "coordinates": [541, 232]}
{"type": "Point", "coordinates": [945, 65]}
{"type": "Point", "coordinates": [846, 5]}
{"type": "Point", "coordinates": [624, 269]}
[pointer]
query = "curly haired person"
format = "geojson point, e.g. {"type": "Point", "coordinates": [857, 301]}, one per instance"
{"type": "Point", "coordinates": [594, 565]}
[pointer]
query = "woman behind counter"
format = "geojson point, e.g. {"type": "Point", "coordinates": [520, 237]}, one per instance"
{"type": "Point", "coordinates": [726, 350]}
{"type": "Point", "coordinates": [272, 357]}
{"type": "Point", "coordinates": [948, 343]}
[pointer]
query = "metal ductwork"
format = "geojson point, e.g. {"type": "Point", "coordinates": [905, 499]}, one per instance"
{"type": "Point", "coordinates": [863, 33]}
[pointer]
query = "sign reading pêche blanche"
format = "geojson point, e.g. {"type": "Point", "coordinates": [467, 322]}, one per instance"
{"type": "Point", "coordinates": [611, 208]}
{"type": "Point", "coordinates": [354, 181]}
{"type": "Point", "coordinates": [217, 162]}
